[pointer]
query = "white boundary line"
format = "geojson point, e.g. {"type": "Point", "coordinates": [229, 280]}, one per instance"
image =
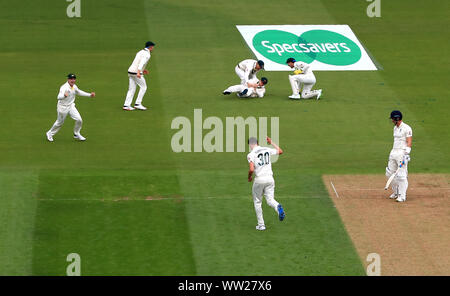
{"type": "Point", "coordinates": [247, 197]}
{"type": "Point", "coordinates": [377, 189]}
{"type": "Point", "coordinates": [334, 189]}
{"type": "Point", "coordinates": [176, 198]}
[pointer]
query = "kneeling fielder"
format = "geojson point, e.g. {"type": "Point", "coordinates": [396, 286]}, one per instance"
{"type": "Point", "coordinates": [253, 89]}
{"type": "Point", "coordinates": [302, 75]}
{"type": "Point", "coordinates": [259, 163]}
{"type": "Point", "coordinates": [399, 156]}
{"type": "Point", "coordinates": [66, 106]}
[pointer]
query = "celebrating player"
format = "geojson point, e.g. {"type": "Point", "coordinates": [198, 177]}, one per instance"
{"type": "Point", "coordinates": [302, 75]}
{"type": "Point", "coordinates": [66, 105]}
{"type": "Point", "coordinates": [400, 155]}
{"type": "Point", "coordinates": [254, 88]}
{"type": "Point", "coordinates": [135, 72]}
{"type": "Point", "coordinates": [259, 163]}
{"type": "Point", "coordinates": [247, 69]}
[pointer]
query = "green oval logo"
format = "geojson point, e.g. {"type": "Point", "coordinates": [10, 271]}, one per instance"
{"type": "Point", "coordinates": [278, 46]}
{"type": "Point", "coordinates": [332, 48]}
{"type": "Point", "coordinates": [324, 46]}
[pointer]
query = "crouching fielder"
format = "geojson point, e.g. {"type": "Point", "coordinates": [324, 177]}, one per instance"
{"type": "Point", "coordinates": [247, 69]}
{"type": "Point", "coordinates": [399, 156]}
{"type": "Point", "coordinates": [66, 106]}
{"type": "Point", "coordinates": [253, 89]}
{"type": "Point", "coordinates": [259, 163]}
{"type": "Point", "coordinates": [302, 75]}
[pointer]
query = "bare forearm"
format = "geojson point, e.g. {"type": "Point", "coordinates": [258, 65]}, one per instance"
{"type": "Point", "coordinates": [408, 145]}
{"type": "Point", "coordinates": [280, 151]}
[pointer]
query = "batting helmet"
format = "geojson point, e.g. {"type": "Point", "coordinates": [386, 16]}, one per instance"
{"type": "Point", "coordinates": [396, 115]}
{"type": "Point", "coordinates": [149, 43]}
{"type": "Point", "coordinates": [261, 64]}
{"type": "Point", "coordinates": [290, 60]}
{"type": "Point", "coordinates": [264, 80]}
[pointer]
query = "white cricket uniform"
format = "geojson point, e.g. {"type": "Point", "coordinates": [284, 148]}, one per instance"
{"type": "Point", "coordinates": [246, 71]}
{"type": "Point", "coordinates": [307, 78]}
{"type": "Point", "coordinates": [264, 183]}
{"type": "Point", "coordinates": [139, 63]}
{"type": "Point", "coordinates": [66, 105]}
{"type": "Point", "coordinates": [400, 182]}
{"type": "Point", "coordinates": [253, 92]}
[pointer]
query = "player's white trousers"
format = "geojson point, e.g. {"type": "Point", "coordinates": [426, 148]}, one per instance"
{"type": "Point", "coordinates": [308, 81]}
{"type": "Point", "coordinates": [241, 74]}
{"type": "Point", "coordinates": [400, 182]}
{"type": "Point", "coordinates": [259, 190]}
{"type": "Point", "coordinates": [63, 111]}
{"type": "Point", "coordinates": [239, 88]}
{"type": "Point", "coordinates": [133, 81]}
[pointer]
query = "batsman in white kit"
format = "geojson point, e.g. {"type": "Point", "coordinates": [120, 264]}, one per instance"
{"type": "Point", "coordinates": [302, 75]}
{"type": "Point", "coordinates": [135, 77]}
{"type": "Point", "coordinates": [264, 184]}
{"type": "Point", "coordinates": [254, 88]}
{"type": "Point", "coordinates": [66, 106]}
{"type": "Point", "coordinates": [399, 157]}
{"type": "Point", "coordinates": [247, 69]}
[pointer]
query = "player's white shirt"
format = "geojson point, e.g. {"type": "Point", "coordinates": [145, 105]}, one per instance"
{"type": "Point", "coordinates": [72, 91]}
{"type": "Point", "coordinates": [304, 67]}
{"type": "Point", "coordinates": [260, 156]}
{"type": "Point", "coordinates": [140, 61]}
{"type": "Point", "coordinates": [253, 80]}
{"type": "Point", "coordinates": [259, 91]}
{"type": "Point", "coordinates": [248, 66]}
{"type": "Point", "coordinates": [400, 134]}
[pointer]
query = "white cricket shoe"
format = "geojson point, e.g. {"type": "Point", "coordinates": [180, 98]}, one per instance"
{"type": "Point", "coordinates": [401, 199]}
{"type": "Point", "coordinates": [128, 108]}
{"type": "Point", "coordinates": [260, 227]}
{"type": "Point", "coordinates": [393, 195]}
{"type": "Point", "coordinates": [295, 97]}
{"type": "Point", "coordinates": [49, 136]}
{"type": "Point", "coordinates": [140, 107]}
{"type": "Point", "coordinates": [79, 137]}
{"type": "Point", "coordinates": [320, 93]}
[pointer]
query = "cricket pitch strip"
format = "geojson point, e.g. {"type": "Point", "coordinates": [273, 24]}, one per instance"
{"type": "Point", "coordinates": [413, 237]}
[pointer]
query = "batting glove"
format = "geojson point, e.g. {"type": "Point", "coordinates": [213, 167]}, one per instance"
{"type": "Point", "coordinates": [406, 158]}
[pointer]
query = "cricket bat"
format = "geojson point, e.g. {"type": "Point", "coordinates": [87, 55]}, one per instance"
{"type": "Point", "coordinates": [393, 176]}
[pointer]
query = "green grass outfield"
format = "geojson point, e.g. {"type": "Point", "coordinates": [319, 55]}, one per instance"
{"type": "Point", "coordinates": [91, 198]}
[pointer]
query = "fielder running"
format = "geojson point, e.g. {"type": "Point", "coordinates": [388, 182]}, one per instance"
{"type": "Point", "coordinates": [247, 69]}
{"type": "Point", "coordinates": [135, 72]}
{"type": "Point", "coordinates": [400, 154]}
{"type": "Point", "coordinates": [66, 106]}
{"type": "Point", "coordinates": [259, 163]}
{"type": "Point", "coordinates": [302, 75]}
{"type": "Point", "coordinates": [254, 89]}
